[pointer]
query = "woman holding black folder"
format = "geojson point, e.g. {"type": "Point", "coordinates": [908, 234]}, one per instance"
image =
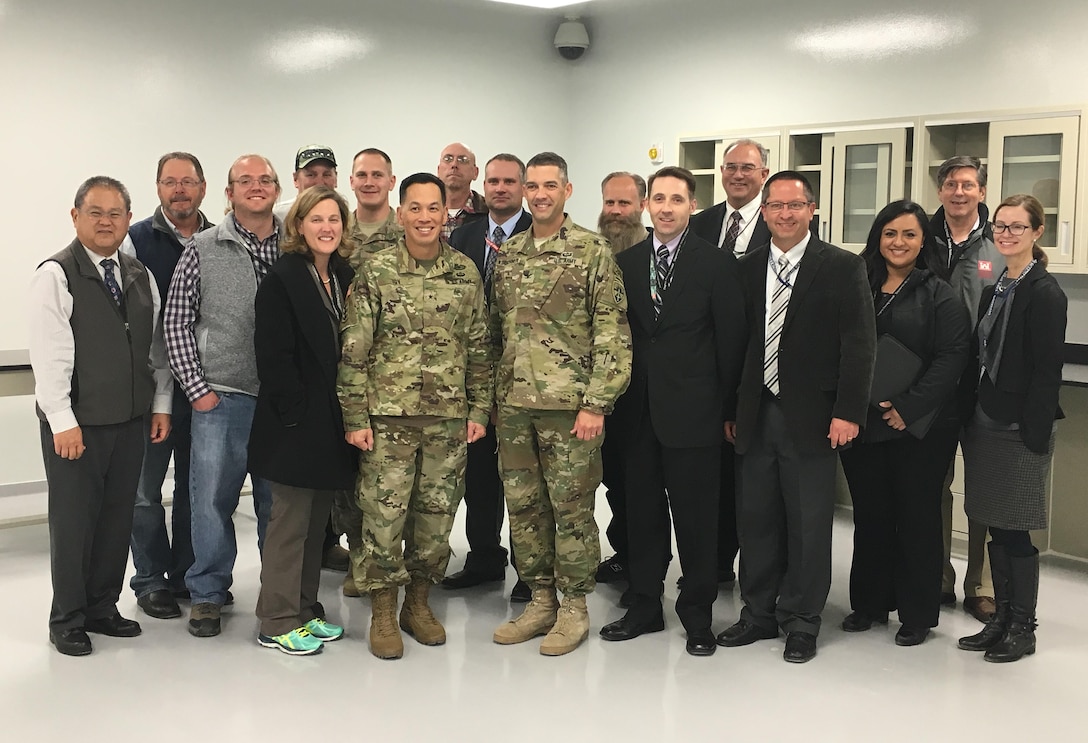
{"type": "Point", "coordinates": [1009, 441]}
{"type": "Point", "coordinates": [896, 468]}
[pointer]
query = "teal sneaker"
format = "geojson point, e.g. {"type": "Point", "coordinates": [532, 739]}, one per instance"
{"type": "Point", "coordinates": [324, 631]}
{"type": "Point", "coordinates": [296, 642]}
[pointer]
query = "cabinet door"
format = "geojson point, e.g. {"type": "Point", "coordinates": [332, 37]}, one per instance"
{"type": "Point", "coordinates": [869, 170]}
{"type": "Point", "coordinates": [1038, 157]}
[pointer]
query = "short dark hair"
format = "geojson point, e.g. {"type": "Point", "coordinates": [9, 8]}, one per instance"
{"type": "Point", "coordinates": [416, 179]}
{"type": "Point", "coordinates": [102, 181]}
{"type": "Point", "coordinates": [640, 182]}
{"type": "Point", "coordinates": [953, 164]}
{"type": "Point", "coordinates": [672, 171]}
{"type": "Point", "coordinates": [876, 266]}
{"type": "Point", "coordinates": [506, 157]}
{"type": "Point", "coordinates": [544, 159]}
{"type": "Point", "coordinates": [372, 151]}
{"type": "Point", "coordinates": [180, 156]}
{"type": "Point", "coordinates": [789, 175]}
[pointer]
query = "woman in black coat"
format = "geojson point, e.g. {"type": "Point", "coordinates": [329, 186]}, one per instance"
{"type": "Point", "coordinates": [896, 468]}
{"type": "Point", "coordinates": [297, 439]}
{"type": "Point", "coordinates": [1009, 441]}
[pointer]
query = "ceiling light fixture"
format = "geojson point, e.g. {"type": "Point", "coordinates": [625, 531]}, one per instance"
{"type": "Point", "coordinates": [885, 36]}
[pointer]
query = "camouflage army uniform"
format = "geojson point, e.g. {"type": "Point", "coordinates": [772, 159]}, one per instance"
{"type": "Point", "coordinates": [559, 320]}
{"type": "Point", "coordinates": [415, 368]}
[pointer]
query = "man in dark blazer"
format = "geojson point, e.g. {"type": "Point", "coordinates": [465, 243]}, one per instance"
{"type": "Point", "coordinates": [484, 504]}
{"type": "Point", "coordinates": [804, 392]}
{"type": "Point", "coordinates": [687, 326]}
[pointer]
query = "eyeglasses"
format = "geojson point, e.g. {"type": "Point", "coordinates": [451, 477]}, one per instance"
{"type": "Point", "coordinates": [793, 206]}
{"type": "Point", "coordinates": [462, 159]}
{"type": "Point", "coordinates": [246, 181]}
{"type": "Point", "coordinates": [746, 169]}
{"type": "Point", "coordinates": [184, 182]}
{"type": "Point", "coordinates": [1015, 229]}
{"type": "Point", "coordinates": [96, 214]}
{"type": "Point", "coordinates": [952, 186]}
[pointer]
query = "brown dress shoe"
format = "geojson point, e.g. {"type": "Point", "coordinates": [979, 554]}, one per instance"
{"type": "Point", "coordinates": [981, 608]}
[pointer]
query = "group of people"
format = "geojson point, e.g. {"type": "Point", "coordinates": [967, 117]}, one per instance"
{"type": "Point", "coordinates": [369, 368]}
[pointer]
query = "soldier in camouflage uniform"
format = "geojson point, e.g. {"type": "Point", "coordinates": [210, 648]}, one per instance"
{"type": "Point", "coordinates": [415, 387]}
{"type": "Point", "coordinates": [559, 320]}
{"type": "Point", "coordinates": [372, 227]}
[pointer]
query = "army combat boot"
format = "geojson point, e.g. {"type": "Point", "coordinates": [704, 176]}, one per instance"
{"type": "Point", "coordinates": [571, 627]}
{"type": "Point", "coordinates": [385, 639]}
{"type": "Point", "coordinates": [536, 620]}
{"type": "Point", "coordinates": [350, 589]}
{"type": "Point", "coordinates": [416, 617]}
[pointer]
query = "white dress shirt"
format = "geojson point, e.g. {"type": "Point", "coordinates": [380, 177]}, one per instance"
{"type": "Point", "coordinates": [794, 255]}
{"type": "Point", "coordinates": [53, 347]}
{"type": "Point", "coordinates": [749, 215]}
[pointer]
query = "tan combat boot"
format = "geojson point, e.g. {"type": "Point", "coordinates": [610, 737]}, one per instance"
{"type": "Point", "coordinates": [536, 620]}
{"type": "Point", "coordinates": [571, 627]}
{"type": "Point", "coordinates": [416, 617]}
{"type": "Point", "coordinates": [350, 589]}
{"type": "Point", "coordinates": [385, 639]}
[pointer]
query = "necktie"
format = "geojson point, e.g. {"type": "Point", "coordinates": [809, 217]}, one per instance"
{"type": "Point", "coordinates": [731, 234]}
{"type": "Point", "coordinates": [780, 299]}
{"type": "Point", "coordinates": [498, 237]}
{"type": "Point", "coordinates": [110, 280]}
{"type": "Point", "coordinates": [663, 268]}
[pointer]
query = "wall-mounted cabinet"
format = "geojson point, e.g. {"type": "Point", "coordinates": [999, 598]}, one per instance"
{"type": "Point", "coordinates": [856, 168]}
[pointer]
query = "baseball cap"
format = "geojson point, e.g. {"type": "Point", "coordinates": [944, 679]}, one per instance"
{"type": "Point", "coordinates": [312, 152]}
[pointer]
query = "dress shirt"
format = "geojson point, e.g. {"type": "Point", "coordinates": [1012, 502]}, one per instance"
{"type": "Point", "coordinates": [749, 214]}
{"type": "Point", "coordinates": [795, 254]}
{"type": "Point", "coordinates": [184, 305]}
{"type": "Point", "coordinates": [670, 246]}
{"type": "Point", "coordinates": [508, 226]}
{"type": "Point", "coordinates": [53, 347]}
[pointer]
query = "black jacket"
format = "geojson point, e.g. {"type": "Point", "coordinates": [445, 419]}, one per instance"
{"type": "Point", "coordinates": [1030, 374]}
{"type": "Point", "coordinates": [297, 436]}
{"type": "Point", "coordinates": [471, 239]}
{"type": "Point", "coordinates": [927, 317]}
{"type": "Point", "coordinates": [686, 364]}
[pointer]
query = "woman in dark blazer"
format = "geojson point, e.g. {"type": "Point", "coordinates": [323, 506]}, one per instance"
{"type": "Point", "coordinates": [297, 440]}
{"type": "Point", "coordinates": [897, 466]}
{"type": "Point", "coordinates": [1009, 441]}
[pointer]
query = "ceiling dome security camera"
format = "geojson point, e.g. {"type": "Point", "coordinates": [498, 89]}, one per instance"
{"type": "Point", "coordinates": [572, 39]}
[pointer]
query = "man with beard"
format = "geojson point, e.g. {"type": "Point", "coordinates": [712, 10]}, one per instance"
{"type": "Point", "coordinates": [158, 242]}
{"type": "Point", "coordinates": [457, 169]}
{"type": "Point", "coordinates": [481, 240]}
{"type": "Point", "coordinates": [623, 199]}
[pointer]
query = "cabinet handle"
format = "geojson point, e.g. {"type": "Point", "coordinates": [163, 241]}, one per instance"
{"type": "Point", "coordinates": [1063, 238]}
{"type": "Point", "coordinates": [823, 230]}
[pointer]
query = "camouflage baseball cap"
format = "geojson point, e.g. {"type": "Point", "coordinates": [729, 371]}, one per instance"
{"type": "Point", "coordinates": [312, 152]}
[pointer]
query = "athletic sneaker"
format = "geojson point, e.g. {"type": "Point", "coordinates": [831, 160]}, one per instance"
{"type": "Point", "coordinates": [324, 631]}
{"type": "Point", "coordinates": [296, 642]}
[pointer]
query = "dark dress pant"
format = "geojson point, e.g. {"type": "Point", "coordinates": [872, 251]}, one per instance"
{"type": "Point", "coordinates": [785, 512]}
{"type": "Point", "coordinates": [613, 464]}
{"type": "Point", "coordinates": [484, 506]}
{"type": "Point", "coordinates": [895, 487]}
{"type": "Point", "coordinates": [728, 544]}
{"type": "Point", "coordinates": [90, 520]}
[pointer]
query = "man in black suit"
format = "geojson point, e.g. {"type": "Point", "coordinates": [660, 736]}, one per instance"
{"type": "Point", "coordinates": [687, 327]}
{"type": "Point", "coordinates": [481, 240]}
{"type": "Point", "coordinates": [737, 224]}
{"type": "Point", "coordinates": [803, 393]}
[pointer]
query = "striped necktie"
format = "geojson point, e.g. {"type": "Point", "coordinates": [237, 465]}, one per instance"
{"type": "Point", "coordinates": [498, 237]}
{"type": "Point", "coordinates": [780, 300]}
{"type": "Point", "coordinates": [663, 269]}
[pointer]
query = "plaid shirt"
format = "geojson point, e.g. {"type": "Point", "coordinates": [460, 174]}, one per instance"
{"type": "Point", "coordinates": [474, 205]}
{"type": "Point", "coordinates": [182, 310]}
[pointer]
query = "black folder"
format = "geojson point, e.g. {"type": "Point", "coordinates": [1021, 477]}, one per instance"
{"type": "Point", "coordinates": [896, 369]}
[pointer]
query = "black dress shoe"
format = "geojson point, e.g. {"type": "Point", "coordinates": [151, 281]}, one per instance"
{"type": "Point", "coordinates": [611, 571]}
{"type": "Point", "coordinates": [909, 636]}
{"type": "Point", "coordinates": [860, 621]}
{"type": "Point", "coordinates": [800, 647]}
{"type": "Point", "coordinates": [468, 578]}
{"type": "Point", "coordinates": [521, 593]}
{"type": "Point", "coordinates": [701, 642]}
{"type": "Point", "coordinates": [745, 633]}
{"type": "Point", "coordinates": [627, 598]}
{"type": "Point", "coordinates": [630, 627]}
{"type": "Point", "coordinates": [159, 604]}
{"type": "Point", "coordinates": [115, 626]}
{"type": "Point", "coordinates": [71, 641]}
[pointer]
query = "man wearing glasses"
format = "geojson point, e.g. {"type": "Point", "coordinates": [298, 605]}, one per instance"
{"type": "Point", "coordinates": [965, 240]}
{"type": "Point", "coordinates": [158, 241]}
{"type": "Point", "coordinates": [208, 324]}
{"type": "Point", "coordinates": [457, 169]}
{"type": "Point", "coordinates": [803, 393]}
